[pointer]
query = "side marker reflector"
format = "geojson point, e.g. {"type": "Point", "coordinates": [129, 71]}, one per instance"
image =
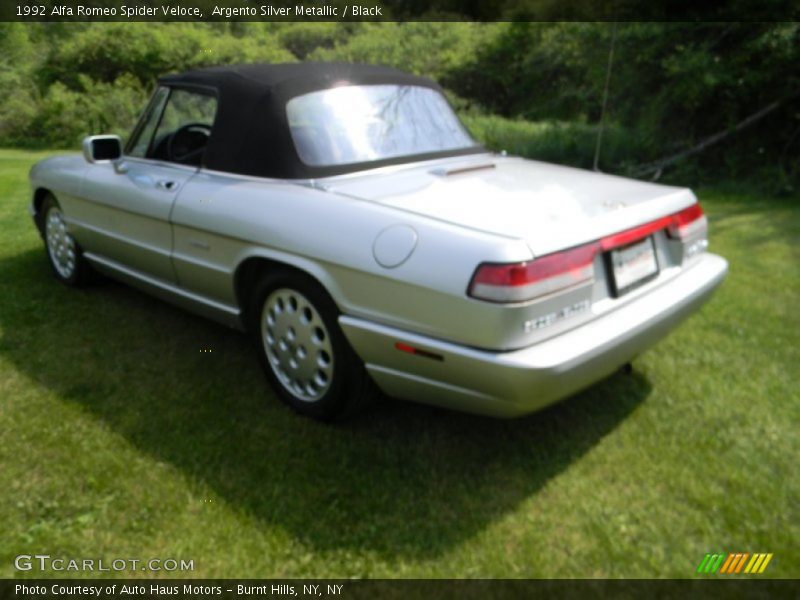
{"type": "Point", "coordinates": [417, 351]}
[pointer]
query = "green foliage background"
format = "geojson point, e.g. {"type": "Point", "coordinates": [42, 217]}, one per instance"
{"type": "Point", "coordinates": [533, 89]}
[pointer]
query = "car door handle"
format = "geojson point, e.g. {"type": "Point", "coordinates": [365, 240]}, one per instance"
{"type": "Point", "coordinates": [166, 185]}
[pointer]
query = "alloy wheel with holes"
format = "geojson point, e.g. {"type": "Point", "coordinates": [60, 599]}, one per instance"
{"type": "Point", "coordinates": [304, 353]}
{"type": "Point", "coordinates": [63, 252]}
{"type": "Point", "coordinates": [298, 344]}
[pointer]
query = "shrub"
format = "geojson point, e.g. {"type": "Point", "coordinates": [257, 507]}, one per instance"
{"type": "Point", "coordinates": [554, 141]}
{"type": "Point", "coordinates": [148, 50]}
{"type": "Point", "coordinates": [431, 49]}
{"type": "Point", "coordinates": [65, 116]}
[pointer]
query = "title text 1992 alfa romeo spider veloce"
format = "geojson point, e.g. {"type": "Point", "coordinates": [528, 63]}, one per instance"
{"type": "Point", "coordinates": [344, 216]}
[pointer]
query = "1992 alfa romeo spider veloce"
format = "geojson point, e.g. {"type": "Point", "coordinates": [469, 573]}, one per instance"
{"type": "Point", "coordinates": [344, 217]}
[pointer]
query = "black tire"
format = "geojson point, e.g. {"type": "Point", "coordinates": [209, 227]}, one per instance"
{"type": "Point", "coordinates": [75, 272]}
{"type": "Point", "coordinates": [341, 383]}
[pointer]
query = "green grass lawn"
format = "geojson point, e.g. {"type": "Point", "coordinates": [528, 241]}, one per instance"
{"type": "Point", "coordinates": [120, 438]}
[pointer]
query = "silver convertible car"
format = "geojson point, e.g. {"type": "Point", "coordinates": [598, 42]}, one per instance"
{"type": "Point", "coordinates": [344, 217]}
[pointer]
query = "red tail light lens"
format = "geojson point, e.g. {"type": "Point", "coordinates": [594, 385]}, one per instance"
{"type": "Point", "coordinates": [687, 222]}
{"type": "Point", "coordinates": [518, 282]}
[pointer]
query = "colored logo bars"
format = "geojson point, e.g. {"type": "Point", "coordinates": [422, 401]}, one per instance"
{"type": "Point", "coordinates": [734, 563]}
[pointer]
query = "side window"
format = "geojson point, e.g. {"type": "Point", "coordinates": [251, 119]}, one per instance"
{"type": "Point", "coordinates": [147, 126]}
{"type": "Point", "coordinates": [185, 126]}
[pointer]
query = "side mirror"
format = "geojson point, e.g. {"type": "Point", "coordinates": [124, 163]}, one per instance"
{"type": "Point", "coordinates": [102, 148]}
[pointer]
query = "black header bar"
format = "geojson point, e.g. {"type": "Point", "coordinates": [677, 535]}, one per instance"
{"type": "Point", "coordinates": [396, 10]}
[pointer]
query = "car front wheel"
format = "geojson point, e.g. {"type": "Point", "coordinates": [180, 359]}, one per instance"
{"type": "Point", "coordinates": [64, 254]}
{"type": "Point", "coordinates": [303, 350]}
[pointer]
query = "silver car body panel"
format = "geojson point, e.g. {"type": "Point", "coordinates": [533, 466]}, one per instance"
{"type": "Point", "coordinates": [182, 233]}
{"type": "Point", "coordinates": [551, 207]}
{"type": "Point", "coordinates": [509, 384]}
{"type": "Point", "coordinates": [125, 216]}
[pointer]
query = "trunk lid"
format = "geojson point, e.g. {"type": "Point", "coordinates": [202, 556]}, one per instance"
{"type": "Point", "coordinates": [549, 206]}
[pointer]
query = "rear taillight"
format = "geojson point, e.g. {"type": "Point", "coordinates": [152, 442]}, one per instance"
{"type": "Point", "coordinates": [687, 223]}
{"type": "Point", "coordinates": [520, 282]}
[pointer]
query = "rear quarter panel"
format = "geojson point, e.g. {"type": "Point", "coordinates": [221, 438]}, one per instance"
{"type": "Point", "coordinates": [222, 220]}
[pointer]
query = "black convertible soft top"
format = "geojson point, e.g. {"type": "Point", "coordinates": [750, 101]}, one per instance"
{"type": "Point", "coordinates": [251, 133]}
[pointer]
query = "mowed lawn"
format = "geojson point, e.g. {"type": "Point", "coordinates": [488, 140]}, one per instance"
{"type": "Point", "coordinates": [120, 437]}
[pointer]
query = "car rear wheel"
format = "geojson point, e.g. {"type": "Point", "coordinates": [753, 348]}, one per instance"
{"type": "Point", "coordinates": [64, 254]}
{"type": "Point", "coordinates": [303, 350]}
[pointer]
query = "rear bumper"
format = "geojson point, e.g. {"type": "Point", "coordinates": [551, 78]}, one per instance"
{"type": "Point", "coordinates": [508, 384]}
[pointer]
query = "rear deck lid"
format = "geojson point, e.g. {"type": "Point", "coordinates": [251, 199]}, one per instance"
{"type": "Point", "coordinates": [551, 207]}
